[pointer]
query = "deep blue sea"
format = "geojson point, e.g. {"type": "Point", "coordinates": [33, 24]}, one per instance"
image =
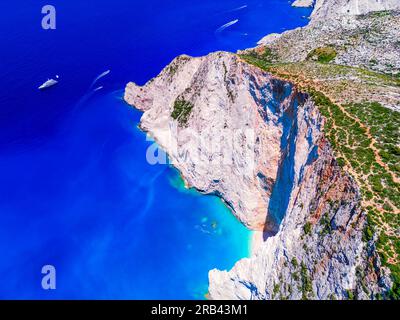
{"type": "Point", "coordinates": [76, 191]}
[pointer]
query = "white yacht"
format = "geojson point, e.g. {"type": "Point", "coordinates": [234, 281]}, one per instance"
{"type": "Point", "coordinates": [49, 83]}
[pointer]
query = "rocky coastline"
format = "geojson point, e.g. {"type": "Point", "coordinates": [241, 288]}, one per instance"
{"type": "Point", "coordinates": [241, 127]}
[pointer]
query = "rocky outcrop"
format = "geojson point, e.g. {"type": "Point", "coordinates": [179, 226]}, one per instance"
{"type": "Point", "coordinates": [237, 136]}
{"type": "Point", "coordinates": [303, 3]}
{"type": "Point", "coordinates": [318, 252]}
{"type": "Point", "coordinates": [365, 37]}
{"type": "Point", "coordinates": [329, 9]}
{"type": "Point", "coordinates": [257, 142]}
{"type": "Point", "coordinates": [270, 38]}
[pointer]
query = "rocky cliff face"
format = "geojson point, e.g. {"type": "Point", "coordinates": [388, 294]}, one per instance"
{"type": "Point", "coordinates": [254, 140]}
{"type": "Point", "coordinates": [303, 3]}
{"type": "Point", "coordinates": [365, 37]}
{"type": "Point", "coordinates": [324, 9]}
{"type": "Point", "coordinates": [238, 136]}
{"type": "Point", "coordinates": [318, 252]}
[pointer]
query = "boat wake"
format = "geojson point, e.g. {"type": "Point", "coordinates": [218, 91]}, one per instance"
{"type": "Point", "coordinates": [239, 8]}
{"type": "Point", "coordinates": [101, 75]}
{"type": "Point", "coordinates": [91, 91]}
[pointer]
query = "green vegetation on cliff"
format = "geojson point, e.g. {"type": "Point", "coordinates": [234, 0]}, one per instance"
{"type": "Point", "coordinates": [181, 111]}
{"type": "Point", "coordinates": [322, 54]}
{"type": "Point", "coordinates": [364, 136]}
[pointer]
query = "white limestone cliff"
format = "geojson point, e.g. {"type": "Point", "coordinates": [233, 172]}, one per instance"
{"type": "Point", "coordinates": [303, 3]}
{"type": "Point", "coordinates": [324, 9]}
{"type": "Point", "coordinates": [234, 130]}
{"type": "Point", "coordinates": [226, 95]}
{"type": "Point", "coordinates": [279, 177]}
{"type": "Point", "coordinates": [360, 32]}
{"type": "Point", "coordinates": [327, 9]}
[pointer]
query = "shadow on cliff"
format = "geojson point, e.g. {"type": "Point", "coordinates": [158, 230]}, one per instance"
{"type": "Point", "coordinates": [282, 189]}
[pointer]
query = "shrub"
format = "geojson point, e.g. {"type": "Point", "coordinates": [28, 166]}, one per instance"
{"type": "Point", "coordinates": [350, 295]}
{"type": "Point", "coordinates": [307, 228]}
{"type": "Point", "coordinates": [181, 111]}
{"type": "Point", "coordinates": [322, 54]}
{"type": "Point", "coordinates": [306, 283]}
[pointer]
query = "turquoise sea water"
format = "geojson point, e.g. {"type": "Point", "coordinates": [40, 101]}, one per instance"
{"type": "Point", "coordinates": [76, 191]}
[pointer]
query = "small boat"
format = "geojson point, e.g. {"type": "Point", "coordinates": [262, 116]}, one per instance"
{"type": "Point", "coordinates": [49, 83]}
{"type": "Point", "coordinates": [226, 25]}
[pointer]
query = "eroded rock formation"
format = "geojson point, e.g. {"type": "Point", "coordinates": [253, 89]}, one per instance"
{"type": "Point", "coordinates": [234, 130]}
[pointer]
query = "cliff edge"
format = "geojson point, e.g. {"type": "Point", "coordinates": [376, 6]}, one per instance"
{"type": "Point", "coordinates": [300, 138]}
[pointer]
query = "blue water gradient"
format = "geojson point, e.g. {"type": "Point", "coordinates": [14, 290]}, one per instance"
{"type": "Point", "coordinates": [75, 188]}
